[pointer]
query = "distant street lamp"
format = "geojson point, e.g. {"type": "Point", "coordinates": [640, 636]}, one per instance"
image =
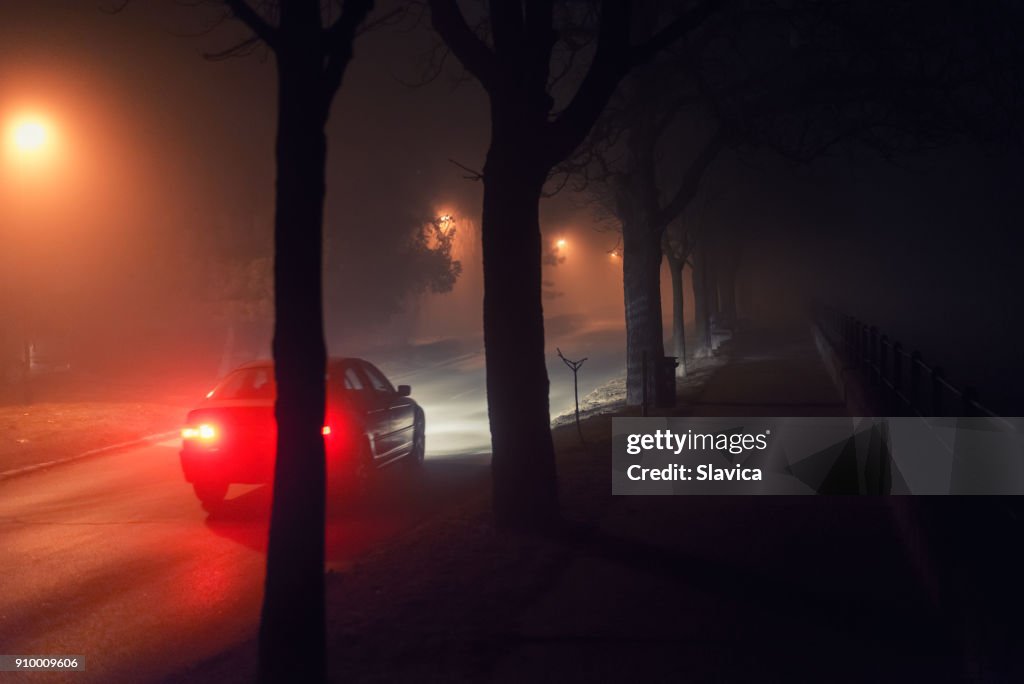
{"type": "Point", "coordinates": [445, 223]}
{"type": "Point", "coordinates": [561, 244]}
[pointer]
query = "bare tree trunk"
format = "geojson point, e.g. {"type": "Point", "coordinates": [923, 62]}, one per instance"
{"type": "Point", "coordinates": [528, 139]}
{"type": "Point", "coordinates": [678, 310]}
{"type": "Point", "coordinates": [701, 308]}
{"type": "Point", "coordinates": [727, 291]}
{"type": "Point", "coordinates": [523, 457]}
{"type": "Point", "coordinates": [641, 283]}
{"type": "Point", "coordinates": [292, 631]}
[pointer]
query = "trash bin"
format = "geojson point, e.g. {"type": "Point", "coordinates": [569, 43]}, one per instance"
{"type": "Point", "coordinates": [665, 382]}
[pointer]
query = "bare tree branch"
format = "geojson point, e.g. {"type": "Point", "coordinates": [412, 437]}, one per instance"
{"type": "Point", "coordinates": [240, 49]}
{"type": "Point", "coordinates": [678, 29]}
{"type": "Point", "coordinates": [472, 174]}
{"type": "Point", "coordinates": [338, 45]}
{"type": "Point", "coordinates": [474, 54]}
{"type": "Point", "coordinates": [245, 13]}
{"type": "Point", "coordinates": [687, 189]}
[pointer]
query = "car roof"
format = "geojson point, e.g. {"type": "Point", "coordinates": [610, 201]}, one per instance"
{"type": "Point", "coordinates": [269, 363]}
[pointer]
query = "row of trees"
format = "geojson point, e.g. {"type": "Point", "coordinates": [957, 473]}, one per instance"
{"type": "Point", "coordinates": [799, 76]}
{"type": "Point", "coordinates": [795, 79]}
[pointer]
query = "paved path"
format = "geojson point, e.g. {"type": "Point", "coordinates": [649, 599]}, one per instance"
{"type": "Point", "coordinates": [769, 373]}
{"type": "Point", "coordinates": [777, 589]}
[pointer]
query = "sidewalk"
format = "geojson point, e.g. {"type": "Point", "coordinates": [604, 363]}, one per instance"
{"type": "Point", "coordinates": [730, 589]}
{"type": "Point", "coordinates": [774, 372]}
{"type": "Point", "coordinates": [735, 588]}
{"type": "Point", "coordinates": [73, 414]}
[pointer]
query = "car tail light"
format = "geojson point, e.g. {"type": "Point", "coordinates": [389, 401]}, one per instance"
{"type": "Point", "coordinates": [326, 430]}
{"type": "Point", "coordinates": [203, 433]}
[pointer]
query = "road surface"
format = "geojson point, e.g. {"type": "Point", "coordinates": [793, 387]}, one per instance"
{"type": "Point", "coordinates": [112, 558]}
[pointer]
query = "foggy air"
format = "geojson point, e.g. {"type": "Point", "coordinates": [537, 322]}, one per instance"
{"type": "Point", "coordinates": [323, 326]}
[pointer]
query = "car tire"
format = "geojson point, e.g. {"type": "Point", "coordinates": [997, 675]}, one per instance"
{"type": "Point", "coordinates": [419, 443]}
{"type": "Point", "coordinates": [361, 475]}
{"type": "Point", "coordinates": [210, 494]}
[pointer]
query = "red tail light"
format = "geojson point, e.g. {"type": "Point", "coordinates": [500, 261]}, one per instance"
{"type": "Point", "coordinates": [326, 430]}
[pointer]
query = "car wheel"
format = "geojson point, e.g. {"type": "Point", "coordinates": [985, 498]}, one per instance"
{"type": "Point", "coordinates": [211, 494]}
{"type": "Point", "coordinates": [419, 443]}
{"type": "Point", "coordinates": [362, 470]}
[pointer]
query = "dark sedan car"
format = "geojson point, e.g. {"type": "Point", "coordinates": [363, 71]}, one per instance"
{"type": "Point", "coordinates": [231, 436]}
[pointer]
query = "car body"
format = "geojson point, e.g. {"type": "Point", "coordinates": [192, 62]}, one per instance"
{"type": "Point", "coordinates": [231, 437]}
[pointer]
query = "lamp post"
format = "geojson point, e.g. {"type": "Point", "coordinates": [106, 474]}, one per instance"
{"type": "Point", "coordinates": [29, 145]}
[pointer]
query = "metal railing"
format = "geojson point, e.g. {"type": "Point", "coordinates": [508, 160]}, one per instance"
{"type": "Point", "coordinates": [899, 381]}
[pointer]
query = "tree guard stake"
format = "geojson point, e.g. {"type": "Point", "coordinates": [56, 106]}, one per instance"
{"type": "Point", "coordinates": [575, 367]}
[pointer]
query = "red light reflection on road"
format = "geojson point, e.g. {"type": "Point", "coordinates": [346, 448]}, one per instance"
{"type": "Point", "coordinates": [350, 530]}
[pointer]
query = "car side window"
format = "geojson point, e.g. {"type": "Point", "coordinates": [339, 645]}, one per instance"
{"type": "Point", "coordinates": [377, 380]}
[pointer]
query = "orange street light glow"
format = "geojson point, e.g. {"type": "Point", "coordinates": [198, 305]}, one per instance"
{"type": "Point", "coordinates": [30, 141]}
{"type": "Point", "coordinates": [561, 244]}
{"type": "Point", "coordinates": [29, 135]}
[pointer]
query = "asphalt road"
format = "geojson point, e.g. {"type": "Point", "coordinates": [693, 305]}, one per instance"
{"type": "Point", "coordinates": [112, 558]}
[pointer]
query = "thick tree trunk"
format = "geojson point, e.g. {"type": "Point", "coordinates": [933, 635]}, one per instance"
{"type": "Point", "coordinates": [727, 291]}
{"type": "Point", "coordinates": [678, 310]}
{"type": "Point", "coordinates": [641, 283]}
{"type": "Point", "coordinates": [292, 632]}
{"type": "Point", "coordinates": [523, 458]}
{"type": "Point", "coordinates": [701, 306]}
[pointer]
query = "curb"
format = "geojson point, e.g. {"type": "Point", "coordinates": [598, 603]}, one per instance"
{"type": "Point", "coordinates": [148, 439]}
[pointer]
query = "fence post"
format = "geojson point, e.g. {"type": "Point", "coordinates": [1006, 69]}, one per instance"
{"type": "Point", "coordinates": [937, 374]}
{"type": "Point", "coordinates": [915, 382]}
{"type": "Point", "coordinates": [855, 343]}
{"type": "Point", "coordinates": [883, 372]}
{"type": "Point", "coordinates": [970, 399]}
{"type": "Point", "coordinates": [862, 349]}
{"type": "Point", "coordinates": [848, 339]}
{"type": "Point", "coordinates": [897, 378]}
{"type": "Point", "coordinates": [873, 342]}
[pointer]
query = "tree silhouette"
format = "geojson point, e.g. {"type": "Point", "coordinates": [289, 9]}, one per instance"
{"type": "Point", "coordinates": [416, 248]}
{"type": "Point", "coordinates": [799, 80]}
{"type": "Point", "coordinates": [624, 168]}
{"type": "Point", "coordinates": [312, 53]}
{"type": "Point", "coordinates": [511, 53]}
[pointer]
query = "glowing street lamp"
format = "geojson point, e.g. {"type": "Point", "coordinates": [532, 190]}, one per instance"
{"type": "Point", "coordinates": [29, 135]}
{"type": "Point", "coordinates": [561, 244]}
{"type": "Point", "coordinates": [29, 144]}
{"type": "Point", "coordinates": [445, 223]}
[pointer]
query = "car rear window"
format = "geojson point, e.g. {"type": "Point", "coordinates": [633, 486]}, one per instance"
{"type": "Point", "coordinates": [248, 383]}
{"type": "Point", "coordinates": [377, 379]}
{"type": "Point", "coordinates": [351, 379]}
